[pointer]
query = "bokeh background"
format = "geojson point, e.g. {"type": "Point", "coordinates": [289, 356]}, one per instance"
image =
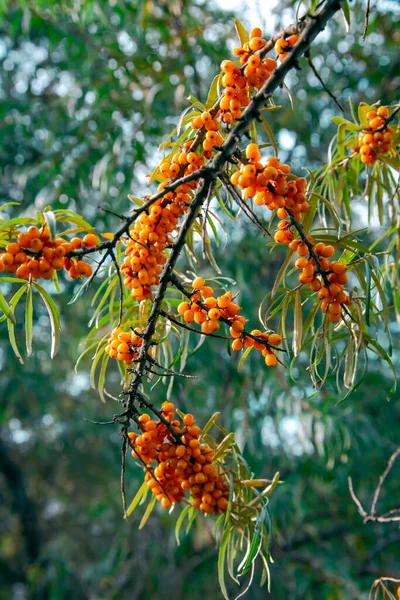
{"type": "Point", "coordinates": [88, 90]}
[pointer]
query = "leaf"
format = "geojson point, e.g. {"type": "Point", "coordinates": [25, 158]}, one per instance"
{"type": "Point", "coordinates": [64, 214]}
{"type": "Point", "coordinates": [148, 512]}
{"type": "Point", "coordinates": [80, 290]}
{"type": "Point", "coordinates": [10, 324]}
{"type": "Point", "coordinates": [51, 221]}
{"type": "Point", "coordinates": [270, 134]}
{"type": "Point", "coordinates": [179, 523]}
{"type": "Point", "coordinates": [54, 318]}
{"type": "Point", "coordinates": [102, 377]}
{"type": "Point", "coordinates": [298, 324]}
{"type": "Point", "coordinates": [242, 34]}
{"type": "Point", "coordinates": [5, 308]}
{"type": "Point", "coordinates": [350, 364]}
{"type": "Point", "coordinates": [228, 441]}
{"type": "Point", "coordinates": [212, 93]}
{"type": "Point", "coordinates": [255, 545]}
{"type": "Point", "coordinates": [221, 561]}
{"type": "Point", "coordinates": [139, 495]}
{"type": "Point", "coordinates": [17, 221]}
{"type": "Point", "coordinates": [346, 14]}
{"type": "Point", "coordinates": [368, 294]}
{"type": "Point", "coordinates": [210, 423]}
{"type": "Point", "coordinates": [29, 320]}
{"type": "Point", "coordinates": [244, 356]}
{"type": "Point", "coordinates": [281, 272]}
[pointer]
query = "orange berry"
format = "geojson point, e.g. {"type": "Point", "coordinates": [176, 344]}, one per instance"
{"type": "Point", "coordinates": [198, 283]}
{"type": "Point", "coordinates": [90, 240]}
{"type": "Point", "coordinates": [270, 360]}
{"type": "Point", "coordinates": [214, 314]}
{"type": "Point", "coordinates": [253, 153]}
{"type": "Point", "coordinates": [188, 420]}
{"type": "Point", "coordinates": [237, 344]}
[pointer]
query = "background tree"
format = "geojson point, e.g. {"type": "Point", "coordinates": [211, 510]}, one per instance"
{"type": "Point", "coordinates": [51, 457]}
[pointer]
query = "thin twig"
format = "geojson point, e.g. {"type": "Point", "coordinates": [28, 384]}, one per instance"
{"type": "Point", "coordinates": [245, 333]}
{"type": "Point", "coordinates": [382, 478]}
{"type": "Point", "coordinates": [318, 76]}
{"type": "Point", "coordinates": [366, 19]}
{"type": "Point", "coordinates": [390, 516]}
{"type": "Point", "coordinates": [198, 331]}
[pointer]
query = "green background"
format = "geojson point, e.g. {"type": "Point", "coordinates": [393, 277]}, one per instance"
{"type": "Point", "coordinates": [87, 92]}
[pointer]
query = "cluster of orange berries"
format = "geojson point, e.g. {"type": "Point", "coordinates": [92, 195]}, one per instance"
{"type": "Point", "coordinates": [212, 137]}
{"type": "Point", "coordinates": [269, 186]}
{"type": "Point", "coordinates": [186, 465]}
{"type": "Point", "coordinates": [151, 235]}
{"type": "Point", "coordinates": [124, 345]}
{"type": "Point", "coordinates": [332, 296]}
{"type": "Point", "coordinates": [34, 254]}
{"type": "Point", "coordinates": [284, 45]}
{"type": "Point", "coordinates": [215, 309]}
{"type": "Point", "coordinates": [372, 142]}
{"type": "Point", "coordinates": [222, 307]}
{"type": "Point", "coordinates": [185, 162]}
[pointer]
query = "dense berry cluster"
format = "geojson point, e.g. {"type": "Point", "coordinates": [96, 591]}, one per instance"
{"type": "Point", "coordinates": [284, 45]}
{"type": "Point", "coordinates": [270, 186]}
{"type": "Point", "coordinates": [34, 254]}
{"type": "Point", "coordinates": [151, 235]}
{"type": "Point", "coordinates": [149, 239]}
{"type": "Point", "coordinates": [332, 296]}
{"type": "Point", "coordinates": [173, 468]}
{"type": "Point", "coordinates": [207, 310]}
{"type": "Point", "coordinates": [376, 138]}
{"type": "Point", "coordinates": [124, 345]}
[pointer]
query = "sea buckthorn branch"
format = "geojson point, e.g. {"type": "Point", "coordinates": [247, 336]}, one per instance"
{"type": "Point", "coordinates": [170, 371]}
{"type": "Point", "coordinates": [210, 173]}
{"type": "Point", "coordinates": [305, 239]}
{"type": "Point", "coordinates": [293, 29]}
{"type": "Point", "coordinates": [136, 212]}
{"type": "Point", "coordinates": [246, 209]}
{"type": "Point", "coordinates": [204, 307]}
{"type": "Point", "coordinates": [185, 326]}
{"type": "Point", "coordinates": [389, 119]}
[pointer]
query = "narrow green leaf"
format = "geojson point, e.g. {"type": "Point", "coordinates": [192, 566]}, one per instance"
{"type": "Point", "coordinates": [298, 324]}
{"type": "Point", "coordinates": [240, 30]}
{"type": "Point", "coordinates": [212, 93]}
{"type": "Point", "coordinates": [281, 272]}
{"type": "Point", "coordinates": [270, 134]}
{"type": "Point", "coordinates": [223, 446]}
{"type": "Point", "coordinates": [139, 495]}
{"type": "Point", "coordinates": [54, 318]}
{"type": "Point", "coordinates": [221, 561]}
{"type": "Point", "coordinates": [148, 512]}
{"type": "Point", "coordinates": [51, 221]}
{"type": "Point", "coordinates": [179, 523]}
{"type": "Point", "coordinates": [346, 14]}
{"type": "Point", "coordinates": [6, 309]}
{"type": "Point", "coordinates": [244, 356]}
{"type": "Point", "coordinates": [29, 320]}
{"type": "Point", "coordinates": [210, 423]}
{"type": "Point", "coordinates": [10, 324]}
{"type": "Point", "coordinates": [368, 294]}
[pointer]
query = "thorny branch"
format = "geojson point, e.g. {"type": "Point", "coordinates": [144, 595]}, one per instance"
{"type": "Point", "coordinates": [245, 333]}
{"type": "Point", "coordinates": [309, 27]}
{"type": "Point", "coordinates": [387, 517]}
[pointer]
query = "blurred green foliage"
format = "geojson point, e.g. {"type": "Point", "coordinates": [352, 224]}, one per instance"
{"type": "Point", "coordinates": [87, 92]}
